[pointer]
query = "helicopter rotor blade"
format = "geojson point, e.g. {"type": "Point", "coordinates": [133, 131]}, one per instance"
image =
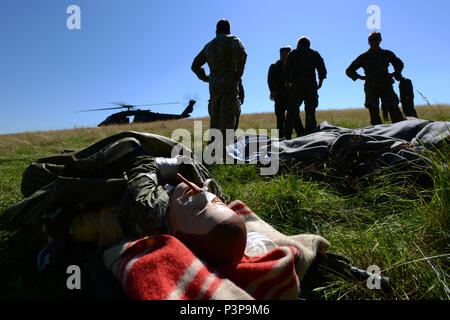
{"type": "Point", "coordinates": [118, 103]}
{"type": "Point", "coordinates": [155, 104]}
{"type": "Point", "coordinates": [122, 105]}
{"type": "Point", "coordinates": [191, 96]}
{"type": "Point", "coordinates": [98, 109]}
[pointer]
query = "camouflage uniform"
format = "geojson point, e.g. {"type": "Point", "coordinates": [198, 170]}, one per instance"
{"type": "Point", "coordinates": [276, 79]}
{"type": "Point", "coordinates": [143, 207]}
{"type": "Point", "coordinates": [144, 203]}
{"type": "Point", "coordinates": [226, 59]}
{"type": "Point", "coordinates": [301, 65]}
{"type": "Point", "coordinates": [378, 82]}
{"type": "Point", "coordinates": [407, 97]}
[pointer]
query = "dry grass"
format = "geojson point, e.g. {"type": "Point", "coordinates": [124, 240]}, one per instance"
{"type": "Point", "coordinates": [81, 137]}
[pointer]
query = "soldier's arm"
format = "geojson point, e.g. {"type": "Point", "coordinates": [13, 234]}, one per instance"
{"type": "Point", "coordinates": [197, 68]}
{"type": "Point", "coordinates": [270, 78]}
{"type": "Point", "coordinates": [396, 62]}
{"type": "Point", "coordinates": [411, 88]}
{"type": "Point", "coordinates": [351, 70]}
{"type": "Point", "coordinates": [239, 56]}
{"type": "Point", "coordinates": [320, 66]}
{"type": "Point", "coordinates": [406, 89]}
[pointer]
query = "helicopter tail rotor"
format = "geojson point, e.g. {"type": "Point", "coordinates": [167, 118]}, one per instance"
{"type": "Point", "coordinates": [189, 108]}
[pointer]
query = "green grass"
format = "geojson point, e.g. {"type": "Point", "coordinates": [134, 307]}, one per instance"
{"type": "Point", "coordinates": [383, 222]}
{"type": "Point", "coordinates": [377, 219]}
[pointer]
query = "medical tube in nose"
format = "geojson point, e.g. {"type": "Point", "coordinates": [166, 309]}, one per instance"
{"type": "Point", "coordinates": [191, 186]}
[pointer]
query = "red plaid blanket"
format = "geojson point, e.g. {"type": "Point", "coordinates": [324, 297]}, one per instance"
{"type": "Point", "coordinates": [162, 267]}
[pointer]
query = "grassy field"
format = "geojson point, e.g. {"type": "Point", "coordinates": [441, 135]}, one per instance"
{"type": "Point", "coordinates": [372, 220]}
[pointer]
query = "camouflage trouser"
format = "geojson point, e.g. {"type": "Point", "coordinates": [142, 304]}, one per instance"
{"type": "Point", "coordinates": [281, 106]}
{"type": "Point", "coordinates": [408, 108]}
{"type": "Point", "coordinates": [389, 99]}
{"type": "Point", "coordinates": [223, 109]}
{"type": "Point", "coordinates": [236, 125]}
{"type": "Point", "coordinates": [385, 112]}
{"type": "Point", "coordinates": [302, 93]}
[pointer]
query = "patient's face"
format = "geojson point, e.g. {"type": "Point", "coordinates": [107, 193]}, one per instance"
{"type": "Point", "coordinates": [207, 225]}
{"type": "Point", "coordinates": [196, 212]}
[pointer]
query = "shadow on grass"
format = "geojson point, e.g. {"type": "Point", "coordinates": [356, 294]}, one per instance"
{"type": "Point", "coordinates": [21, 279]}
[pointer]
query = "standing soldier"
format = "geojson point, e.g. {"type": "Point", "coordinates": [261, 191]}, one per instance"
{"type": "Point", "coordinates": [378, 80]}
{"type": "Point", "coordinates": [301, 65]}
{"type": "Point", "coordinates": [405, 88]}
{"type": "Point", "coordinates": [226, 59]}
{"type": "Point", "coordinates": [279, 92]}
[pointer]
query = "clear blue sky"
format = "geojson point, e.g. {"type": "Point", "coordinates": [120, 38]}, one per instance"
{"type": "Point", "coordinates": [141, 52]}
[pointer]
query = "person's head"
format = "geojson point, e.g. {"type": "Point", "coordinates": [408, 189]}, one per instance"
{"type": "Point", "coordinates": [206, 225]}
{"type": "Point", "coordinates": [223, 27]}
{"type": "Point", "coordinates": [374, 39]}
{"type": "Point", "coordinates": [303, 42]}
{"type": "Point", "coordinates": [398, 76]}
{"type": "Point", "coordinates": [284, 51]}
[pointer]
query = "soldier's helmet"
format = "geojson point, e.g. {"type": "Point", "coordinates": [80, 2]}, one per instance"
{"type": "Point", "coordinates": [375, 35]}
{"type": "Point", "coordinates": [223, 26]}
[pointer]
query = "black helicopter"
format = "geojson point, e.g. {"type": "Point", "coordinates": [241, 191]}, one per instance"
{"type": "Point", "coordinates": [141, 116]}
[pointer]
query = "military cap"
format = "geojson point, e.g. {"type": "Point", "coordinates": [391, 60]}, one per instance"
{"type": "Point", "coordinates": [286, 48]}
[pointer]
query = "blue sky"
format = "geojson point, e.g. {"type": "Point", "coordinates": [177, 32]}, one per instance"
{"type": "Point", "coordinates": [141, 52]}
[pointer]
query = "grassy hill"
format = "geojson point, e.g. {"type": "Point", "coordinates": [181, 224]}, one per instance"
{"type": "Point", "coordinates": [371, 221]}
